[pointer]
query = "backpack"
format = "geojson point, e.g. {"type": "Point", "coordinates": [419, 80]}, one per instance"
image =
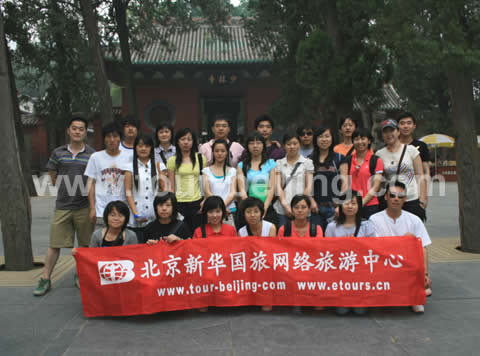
{"type": "Point", "coordinates": [204, 232]}
{"type": "Point", "coordinates": [372, 164]}
{"type": "Point", "coordinates": [200, 161]}
{"type": "Point", "coordinates": [287, 229]}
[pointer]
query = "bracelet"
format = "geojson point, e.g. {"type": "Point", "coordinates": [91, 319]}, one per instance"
{"type": "Point", "coordinates": [136, 216]}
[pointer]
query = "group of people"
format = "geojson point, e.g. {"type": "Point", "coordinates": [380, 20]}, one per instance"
{"type": "Point", "coordinates": [169, 188]}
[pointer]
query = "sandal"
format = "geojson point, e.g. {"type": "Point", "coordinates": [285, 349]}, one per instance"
{"type": "Point", "coordinates": [428, 292]}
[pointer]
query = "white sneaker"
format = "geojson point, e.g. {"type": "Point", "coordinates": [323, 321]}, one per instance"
{"type": "Point", "coordinates": [418, 308]}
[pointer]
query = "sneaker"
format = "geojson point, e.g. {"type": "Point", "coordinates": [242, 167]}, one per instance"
{"type": "Point", "coordinates": [76, 281]}
{"type": "Point", "coordinates": [43, 287]}
{"type": "Point", "coordinates": [418, 308]}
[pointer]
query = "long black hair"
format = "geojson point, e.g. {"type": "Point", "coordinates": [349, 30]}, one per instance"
{"type": "Point", "coordinates": [316, 148]}
{"type": "Point", "coordinates": [347, 196]}
{"type": "Point", "coordinates": [178, 155]}
{"type": "Point", "coordinates": [247, 162]}
{"type": "Point", "coordinates": [211, 203]}
{"type": "Point", "coordinates": [227, 159]}
{"type": "Point", "coordinates": [146, 140]}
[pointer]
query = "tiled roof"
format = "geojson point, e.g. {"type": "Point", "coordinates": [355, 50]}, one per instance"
{"type": "Point", "coordinates": [392, 101]}
{"type": "Point", "coordinates": [29, 120]}
{"type": "Point", "coordinates": [200, 46]}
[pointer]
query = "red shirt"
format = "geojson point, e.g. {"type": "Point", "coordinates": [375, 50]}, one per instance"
{"type": "Point", "coordinates": [225, 231]}
{"type": "Point", "coordinates": [360, 175]}
{"type": "Point", "coordinates": [294, 232]}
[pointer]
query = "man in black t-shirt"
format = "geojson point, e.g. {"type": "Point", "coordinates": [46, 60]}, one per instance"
{"type": "Point", "coordinates": [407, 125]}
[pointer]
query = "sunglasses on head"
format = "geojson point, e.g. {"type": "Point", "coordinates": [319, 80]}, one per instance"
{"type": "Point", "coordinates": [307, 133]}
{"type": "Point", "coordinates": [399, 196]}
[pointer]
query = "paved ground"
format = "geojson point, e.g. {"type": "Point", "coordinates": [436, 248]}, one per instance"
{"type": "Point", "coordinates": [54, 325]}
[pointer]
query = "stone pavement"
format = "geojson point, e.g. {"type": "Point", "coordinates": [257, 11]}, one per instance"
{"type": "Point", "coordinates": [54, 324]}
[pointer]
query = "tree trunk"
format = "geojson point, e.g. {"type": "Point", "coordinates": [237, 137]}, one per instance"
{"type": "Point", "coordinates": [103, 88]}
{"type": "Point", "coordinates": [343, 103]}
{"type": "Point", "coordinates": [120, 8]}
{"type": "Point", "coordinates": [26, 163]}
{"type": "Point", "coordinates": [15, 209]}
{"type": "Point", "coordinates": [61, 118]}
{"type": "Point", "coordinates": [468, 158]}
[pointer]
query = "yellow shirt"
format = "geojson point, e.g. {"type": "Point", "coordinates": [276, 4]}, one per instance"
{"type": "Point", "coordinates": [187, 179]}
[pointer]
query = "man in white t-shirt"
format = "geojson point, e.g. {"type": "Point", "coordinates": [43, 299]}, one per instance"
{"type": "Point", "coordinates": [393, 221]}
{"type": "Point", "coordinates": [105, 172]}
{"type": "Point", "coordinates": [129, 134]}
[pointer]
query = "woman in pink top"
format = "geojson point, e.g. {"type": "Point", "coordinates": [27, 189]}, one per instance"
{"type": "Point", "coordinates": [365, 170]}
{"type": "Point", "coordinates": [300, 226]}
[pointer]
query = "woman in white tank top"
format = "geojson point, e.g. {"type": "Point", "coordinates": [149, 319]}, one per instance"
{"type": "Point", "coordinates": [253, 210]}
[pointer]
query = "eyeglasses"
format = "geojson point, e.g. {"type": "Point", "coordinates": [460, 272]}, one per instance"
{"type": "Point", "coordinates": [399, 196]}
{"type": "Point", "coordinates": [307, 133]}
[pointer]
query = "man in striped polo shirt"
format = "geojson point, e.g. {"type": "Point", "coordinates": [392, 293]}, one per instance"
{"type": "Point", "coordinates": [66, 167]}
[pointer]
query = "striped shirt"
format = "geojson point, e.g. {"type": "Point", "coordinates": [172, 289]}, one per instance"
{"type": "Point", "coordinates": [71, 183]}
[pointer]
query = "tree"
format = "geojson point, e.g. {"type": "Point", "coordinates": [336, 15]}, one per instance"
{"type": "Point", "coordinates": [48, 41]}
{"type": "Point", "coordinates": [324, 53]}
{"type": "Point", "coordinates": [97, 57]}
{"type": "Point", "coordinates": [445, 37]}
{"type": "Point", "coordinates": [15, 203]}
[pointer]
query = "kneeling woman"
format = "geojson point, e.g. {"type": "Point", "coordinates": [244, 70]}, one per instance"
{"type": "Point", "coordinates": [115, 233]}
{"type": "Point", "coordinates": [252, 210]}
{"type": "Point", "coordinates": [300, 226]}
{"type": "Point", "coordinates": [213, 214]}
{"type": "Point", "coordinates": [166, 226]}
{"type": "Point", "coordinates": [349, 223]}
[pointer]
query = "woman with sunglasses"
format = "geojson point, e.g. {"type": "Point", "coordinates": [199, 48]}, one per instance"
{"type": "Point", "coordinates": [305, 134]}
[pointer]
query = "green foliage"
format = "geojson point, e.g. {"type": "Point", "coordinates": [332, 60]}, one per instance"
{"type": "Point", "coordinates": [324, 54]}
{"type": "Point", "coordinates": [427, 39]}
{"type": "Point", "coordinates": [50, 57]}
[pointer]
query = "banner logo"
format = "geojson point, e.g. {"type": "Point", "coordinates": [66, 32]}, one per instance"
{"type": "Point", "coordinates": [114, 272]}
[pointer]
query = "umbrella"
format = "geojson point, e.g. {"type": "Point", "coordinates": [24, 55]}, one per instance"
{"type": "Point", "coordinates": [438, 140]}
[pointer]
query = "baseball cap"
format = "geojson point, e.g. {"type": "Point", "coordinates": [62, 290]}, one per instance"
{"type": "Point", "coordinates": [389, 123]}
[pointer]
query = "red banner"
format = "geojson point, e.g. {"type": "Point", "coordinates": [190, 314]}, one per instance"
{"type": "Point", "coordinates": [356, 272]}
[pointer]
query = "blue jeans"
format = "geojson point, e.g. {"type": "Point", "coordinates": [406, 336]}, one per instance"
{"type": "Point", "coordinates": [324, 216]}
